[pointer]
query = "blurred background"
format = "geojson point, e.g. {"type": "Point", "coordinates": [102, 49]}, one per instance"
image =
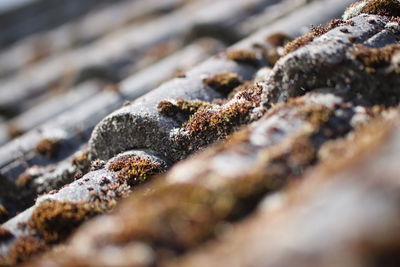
{"type": "Point", "coordinates": [56, 55]}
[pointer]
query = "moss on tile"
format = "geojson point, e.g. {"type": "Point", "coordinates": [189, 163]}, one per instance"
{"type": "Point", "coordinates": [222, 119]}
{"type": "Point", "coordinates": [309, 37]}
{"type": "Point", "coordinates": [243, 56]}
{"type": "Point", "coordinates": [135, 170]}
{"type": "Point", "coordinates": [54, 221]}
{"type": "Point", "coordinates": [216, 122]}
{"type": "Point", "coordinates": [24, 248]}
{"type": "Point", "coordinates": [278, 39]}
{"type": "Point", "coordinates": [223, 82]}
{"type": "Point", "coordinates": [186, 108]}
{"type": "Point", "coordinates": [48, 147]}
{"type": "Point", "coordinates": [382, 7]}
{"type": "Point", "coordinates": [374, 58]}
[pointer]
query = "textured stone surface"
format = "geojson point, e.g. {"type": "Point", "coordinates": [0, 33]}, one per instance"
{"type": "Point", "coordinates": [330, 60]}
{"type": "Point", "coordinates": [230, 179]}
{"type": "Point", "coordinates": [73, 127]}
{"type": "Point", "coordinates": [276, 152]}
{"type": "Point", "coordinates": [141, 126]}
{"type": "Point", "coordinates": [102, 184]}
{"type": "Point", "coordinates": [351, 199]}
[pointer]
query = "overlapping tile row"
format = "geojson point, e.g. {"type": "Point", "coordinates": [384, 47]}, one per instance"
{"type": "Point", "coordinates": [36, 113]}
{"type": "Point", "coordinates": [100, 22]}
{"type": "Point", "coordinates": [298, 156]}
{"type": "Point", "coordinates": [115, 56]}
{"type": "Point", "coordinates": [69, 131]}
{"type": "Point", "coordinates": [249, 55]}
{"type": "Point", "coordinates": [20, 18]}
{"type": "Point", "coordinates": [357, 53]}
{"type": "Point", "coordinates": [83, 30]}
{"type": "Point", "coordinates": [201, 198]}
{"type": "Point", "coordinates": [344, 213]}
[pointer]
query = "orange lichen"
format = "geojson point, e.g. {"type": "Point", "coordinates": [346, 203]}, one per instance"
{"type": "Point", "coordinates": [54, 220]}
{"type": "Point", "coordinates": [48, 147]}
{"type": "Point", "coordinates": [223, 82]}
